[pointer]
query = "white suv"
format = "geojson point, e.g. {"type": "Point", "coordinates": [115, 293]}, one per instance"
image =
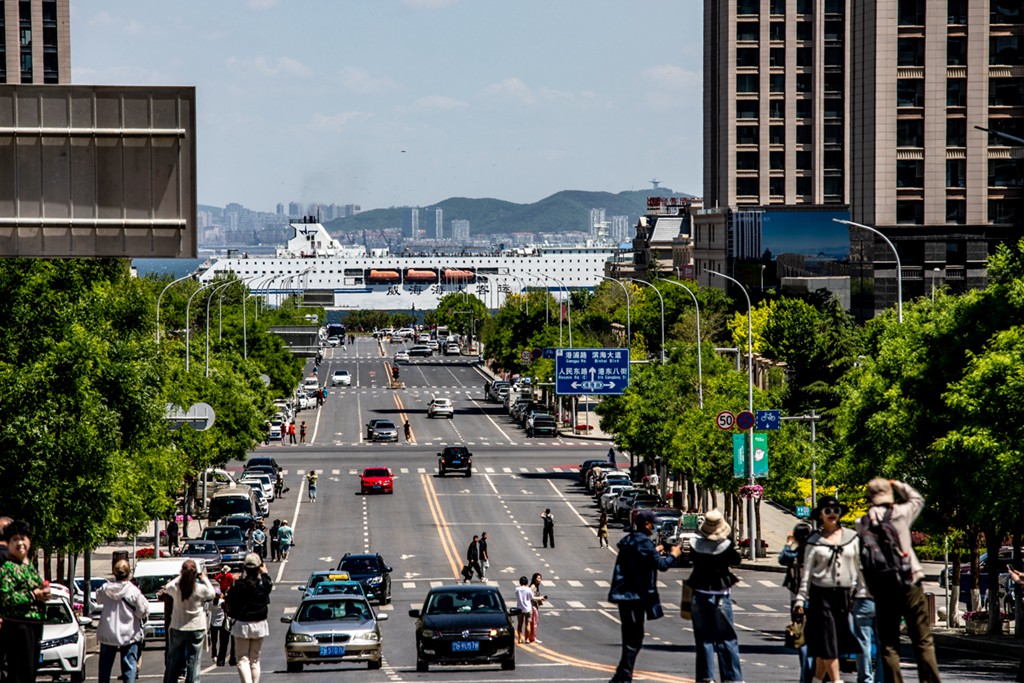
{"type": "Point", "coordinates": [441, 407]}
{"type": "Point", "coordinates": [62, 651]}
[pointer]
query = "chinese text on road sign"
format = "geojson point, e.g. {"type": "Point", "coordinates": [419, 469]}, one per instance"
{"type": "Point", "coordinates": [591, 371]}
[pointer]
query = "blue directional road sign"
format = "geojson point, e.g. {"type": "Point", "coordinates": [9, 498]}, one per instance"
{"type": "Point", "coordinates": [591, 371]}
{"type": "Point", "coordinates": [768, 419]}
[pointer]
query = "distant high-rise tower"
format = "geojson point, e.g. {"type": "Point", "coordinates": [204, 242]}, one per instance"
{"type": "Point", "coordinates": [596, 219]}
{"type": "Point", "coordinates": [439, 224]}
{"type": "Point", "coordinates": [460, 230]}
{"type": "Point", "coordinates": [295, 210]}
{"type": "Point", "coordinates": [411, 222]}
{"type": "Point", "coordinates": [35, 41]}
{"type": "Point", "coordinates": [280, 209]}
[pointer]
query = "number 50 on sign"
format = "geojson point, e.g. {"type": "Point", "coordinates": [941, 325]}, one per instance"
{"type": "Point", "coordinates": [725, 420]}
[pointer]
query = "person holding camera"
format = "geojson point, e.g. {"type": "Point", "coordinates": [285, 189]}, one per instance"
{"type": "Point", "coordinates": [635, 590]}
{"type": "Point", "coordinates": [247, 604]}
{"type": "Point", "coordinates": [185, 597]}
{"type": "Point", "coordinates": [714, 634]}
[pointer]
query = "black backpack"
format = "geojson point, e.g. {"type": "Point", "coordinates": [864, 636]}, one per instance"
{"type": "Point", "coordinates": [884, 563]}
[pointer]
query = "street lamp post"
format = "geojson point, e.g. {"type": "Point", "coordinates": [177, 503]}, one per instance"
{"type": "Point", "coordinates": [899, 267]}
{"type": "Point", "coordinates": [751, 524]}
{"type": "Point", "coordinates": [522, 290]}
{"type": "Point", "coordinates": [626, 293]}
{"type": "Point", "coordinates": [700, 372]}
{"type": "Point", "coordinates": [813, 418]}
{"type": "Point", "coordinates": [568, 309]}
{"type": "Point", "coordinates": [935, 276]}
{"type": "Point", "coordinates": [208, 300]}
{"type": "Point", "coordinates": [188, 323]}
{"type": "Point", "coordinates": [762, 278]}
{"type": "Point", "coordinates": [662, 300]}
{"type": "Point", "coordinates": [547, 303]}
{"type": "Point", "coordinates": [174, 282]}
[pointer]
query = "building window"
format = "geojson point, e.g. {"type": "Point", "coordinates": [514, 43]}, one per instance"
{"type": "Point", "coordinates": [804, 186]}
{"type": "Point", "coordinates": [748, 161]}
{"type": "Point", "coordinates": [747, 30]}
{"type": "Point", "coordinates": [747, 56]}
{"type": "Point", "coordinates": [833, 82]}
{"type": "Point", "coordinates": [833, 187]}
{"type": "Point", "coordinates": [910, 52]}
{"type": "Point", "coordinates": [910, 13]}
{"type": "Point", "coordinates": [834, 6]}
{"type": "Point", "coordinates": [834, 134]}
{"type": "Point", "coordinates": [833, 55]}
{"type": "Point", "coordinates": [957, 12]}
{"type": "Point", "coordinates": [748, 186]}
{"type": "Point", "coordinates": [748, 7]}
{"type": "Point", "coordinates": [909, 212]}
{"type": "Point", "coordinates": [804, 6]}
{"type": "Point", "coordinates": [777, 83]}
{"type": "Point", "coordinates": [776, 109]}
{"type": "Point", "coordinates": [1006, 12]}
{"type": "Point", "coordinates": [956, 132]}
{"type": "Point", "coordinates": [776, 135]}
{"type": "Point", "coordinates": [1006, 172]}
{"type": "Point", "coordinates": [1004, 211]}
{"type": "Point", "coordinates": [1006, 50]}
{"type": "Point", "coordinates": [833, 107]}
{"type": "Point", "coordinates": [777, 7]}
{"type": "Point", "coordinates": [746, 109]}
{"type": "Point", "coordinates": [804, 109]}
{"type": "Point", "coordinates": [956, 50]}
{"type": "Point", "coordinates": [956, 173]}
{"type": "Point", "coordinates": [777, 30]}
{"type": "Point", "coordinates": [804, 83]}
{"type": "Point", "coordinates": [803, 135]}
{"type": "Point", "coordinates": [834, 30]}
{"type": "Point", "coordinates": [777, 186]}
{"type": "Point", "coordinates": [1005, 92]}
{"type": "Point", "coordinates": [910, 173]}
{"type": "Point", "coordinates": [1010, 126]}
{"type": "Point", "coordinates": [777, 56]}
{"type": "Point", "coordinates": [777, 161]}
{"type": "Point", "coordinates": [804, 161]}
{"type": "Point", "coordinates": [746, 135]}
{"type": "Point", "coordinates": [805, 56]}
{"type": "Point", "coordinates": [833, 159]}
{"type": "Point", "coordinates": [956, 211]}
{"type": "Point", "coordinates": [956, 92]}
{"type": "Point", "coordinates": [804, 30]}
{"type": "Point", "coordinates": [747, 83]}
{"type": "Point", "coordinates": [910, 92]}
{"type": "Point", "coordinates": [909, 133]}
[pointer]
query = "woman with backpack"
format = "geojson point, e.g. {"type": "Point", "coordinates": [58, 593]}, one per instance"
{"type": "Point", "coordinates": [792, 558]}
{"type": "Point", "coordinates": [247, 604]}
{"type": "Point", "coordinates": [831, 569]}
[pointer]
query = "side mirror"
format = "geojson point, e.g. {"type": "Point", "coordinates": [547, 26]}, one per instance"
{"type": "Point", "coordinates": [415, 613]}
{"type": "Point", "coordinates": [382, 616]}
{"type": "Point", "coordinates": [301, 588]}
{"type": "Point", "coordinates": [85, 621]}
{"type": "Point", "coordinates": [387, 569]}
{"type": "Point", "coordinates": [513, 611]}
{"type": "Point", "coordinates": [286, 620]}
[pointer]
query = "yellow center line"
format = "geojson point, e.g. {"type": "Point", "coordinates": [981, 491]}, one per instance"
{"type": "Point", "coordinates": [553, 656]}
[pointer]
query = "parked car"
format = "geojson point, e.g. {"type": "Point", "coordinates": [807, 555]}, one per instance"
{"type": "Point", "coordinates": [441, 407]}
{"type": "Point", "coordinates": [230, 540]}
{"type": "Point", "coordinates": [381, 429]}
{"type": "Point", "coordinates": [79, 596]}
{"type": "Point", "coordinates": [455, 458]}
{"type": "Point", "coordinates": [205, 550]}
{"type": "Point", "coordinates": [62, 650]}
{"type": "Point", "coordinates": [464, 624]}
{"type": "Point", "coordinates": [261, 460]}
{"type": "Point", "coordinates": [372, 572]}
{"type": "Point", "coordinates": [541, 425]}
{"type": "Point", "coordinates": [1005, 559]}
{"type": "Point", "coordinates": [588, 465]}
{"type": "Point", "coordinates": [150, 576]}
{"type": "Point", "coordinates": [608, 498]}
{"type": "Point", "coordinates": [328, 629]}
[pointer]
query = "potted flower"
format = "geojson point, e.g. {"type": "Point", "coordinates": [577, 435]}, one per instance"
{"type": "Point", "coordinates": [749, 491]}
{"type": "Point", "coordinates": [976, 622]}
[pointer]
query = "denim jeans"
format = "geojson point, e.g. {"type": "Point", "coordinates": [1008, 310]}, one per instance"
{"type": "Point", "coordinates": [715, 637]}
{"type": "Point", "coordinates": [184, 648]}
{"type": "Point", "coordinates": [631, 619]}
{"type": "Point", "coordinates": [129, 661]}
{"type": "Point", "coordinates": [863, 614]}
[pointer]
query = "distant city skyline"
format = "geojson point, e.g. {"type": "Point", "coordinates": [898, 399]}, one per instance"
{"type": "Point", "coordinates": [410, 102]}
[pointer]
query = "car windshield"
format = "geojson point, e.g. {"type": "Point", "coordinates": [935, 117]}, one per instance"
{"type": "Point", "coordinates": [456, 452]}
{"type": "Point", "coordinates": [97, 583]}
{"type": "Point", "coordinates": [333, 610]}
{"type": "Point", "coordinates": [463, 602]}
{"type": "Point", "coordinates": [149, 585]}
{"type": "Point", "coordinates": [222, 534]}
{"type": "Point", "coordinates": [385, 424]}
{"type": "Point", "coordinates": [57, 612]}
{"type": "Point", "coordinates": [199, 547]}
{"type": "Point", "coordinates": [338, 588]}
{"type": "Point", "coordinates": [359, 565]}
{"type": "Point", "coordinates": [376, 473]}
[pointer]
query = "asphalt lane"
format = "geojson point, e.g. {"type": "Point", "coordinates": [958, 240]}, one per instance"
{"type": "Point", "coordinates": [423, 531]}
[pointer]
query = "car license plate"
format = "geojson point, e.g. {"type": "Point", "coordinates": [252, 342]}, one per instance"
{"type": "Point", "coordinates": [376, 486]}
{"type": "Point", "coordinates": [159, 631]}
{"type": "Point", "coordinates": [465, 646]}
{"type": "Point", "coordinates": [456, 462]}
{"type": "Point", "coordinates": [332, 650]}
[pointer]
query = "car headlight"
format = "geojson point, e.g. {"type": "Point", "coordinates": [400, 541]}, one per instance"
{"type": "Point", "coordinates": [299, 638]}
{"type": "Point", "coordinates": [372, 635]}
{"type": "Point", "coordinates": [375, 581]}
{"type": "Point", "coordinates": [427, 633]}
{"type": "Point", "coordinates": [503, 631]}
{"type": "Point", "coordinates": [58, 642]}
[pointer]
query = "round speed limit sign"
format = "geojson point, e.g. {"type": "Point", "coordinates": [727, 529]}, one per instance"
{"type": "Point", "coordinates": [725, 420]}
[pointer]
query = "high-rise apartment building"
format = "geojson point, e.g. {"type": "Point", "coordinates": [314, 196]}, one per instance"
{"type": "Point", "coordinates": [460, 230]}
{"type": "Point", "coordinates": [775, 102]}
{"type": "Point", "coordinates": [411, 222]}
{"type": "Point", "coordinates": [36, 41]}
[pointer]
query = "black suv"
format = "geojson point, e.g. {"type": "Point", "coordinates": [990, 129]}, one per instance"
{"type": "Point", "coordinates": [455, 458]}
{"type": "Point", "coordinates": [371, 572]}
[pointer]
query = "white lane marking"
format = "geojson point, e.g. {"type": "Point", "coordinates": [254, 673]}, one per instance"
{"type": "Point", "coordinates": [574, 583]}
{"type": "Point", "coordinates": [294, 525]}
{"type": "Point", "coordinates": [768, 584]}
{"type": "Point", "coordinates": [575, 604]}
{"type": "Point", "coordinates": [763, 608]}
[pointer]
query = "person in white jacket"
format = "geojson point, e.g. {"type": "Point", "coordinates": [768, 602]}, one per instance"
{"type": "Point", "coordinates": [120, 626]}
{"type": "Point", "coordinates": [831, 570]}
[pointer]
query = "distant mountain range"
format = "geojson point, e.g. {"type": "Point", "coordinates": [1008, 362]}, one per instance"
{"type": "Point", "coordinates": [568, 210]}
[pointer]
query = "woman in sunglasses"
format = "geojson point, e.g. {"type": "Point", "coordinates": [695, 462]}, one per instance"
{"type": "Point", "coordinates": [831, 570]}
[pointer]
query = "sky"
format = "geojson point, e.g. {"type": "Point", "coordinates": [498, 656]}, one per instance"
{"type": "Point", "coordinates": [408, 102]}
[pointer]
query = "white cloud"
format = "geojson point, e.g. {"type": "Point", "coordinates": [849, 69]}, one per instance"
{"type": "Point", "coordinates": [440, 102]}
{"type": "Point", "coordinates": [672, 87]}
{"type": "Point", "coordinates": [509, 90]}
{"type": "Point", "coordinates": [335, 122]}
{"type": "Point", "coordinates": [552, 94]}
{"type": "Point", "coordinates": [269, 67]}
{"type": "Point", "coordinates": [668, 76]}
{"type": "Point", "coordinates": [359, 80]}
{"type": "Point", "coordinates": [429, 4]}
{"type": "Point", "coordinates": [105, 20]}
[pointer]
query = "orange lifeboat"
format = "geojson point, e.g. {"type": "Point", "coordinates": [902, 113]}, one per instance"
{"type": "Point", "coordinates": [383, 276]}
{"type": "Point", "coordinates": [414, 275]}
{"type": "Point", "coordinates": [456, 275]}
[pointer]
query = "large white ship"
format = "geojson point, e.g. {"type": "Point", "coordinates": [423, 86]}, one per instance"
{"type": "Point", "coordinates": [347, 278]}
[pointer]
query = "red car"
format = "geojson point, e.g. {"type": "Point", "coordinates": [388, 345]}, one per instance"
{"type": "Point", "coordinates": [377, 480]}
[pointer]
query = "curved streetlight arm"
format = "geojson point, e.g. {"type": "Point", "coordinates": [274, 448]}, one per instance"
{"type": "Point", "coordinates": [188, 324]}
{"type": "Point", "coordinates": [209, 299]}
{"type": "Point", "coordinates": [174, 282]}
{"type": "Point", "coordinates": [662, 300]}
{"type": "Point", "coordinates": [626, 293]}
{"type": "Point", "coordinates": [547, 303]}
{"type": "Point", "coordinates": [899, 267]}
{"type": "Point", "coordinates": [700, 372]}
{"type": "Point", "coordinates": [568, 305]}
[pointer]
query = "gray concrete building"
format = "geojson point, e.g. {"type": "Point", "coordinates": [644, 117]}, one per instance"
{"type": "Point", "coordinates": [36, 46]}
